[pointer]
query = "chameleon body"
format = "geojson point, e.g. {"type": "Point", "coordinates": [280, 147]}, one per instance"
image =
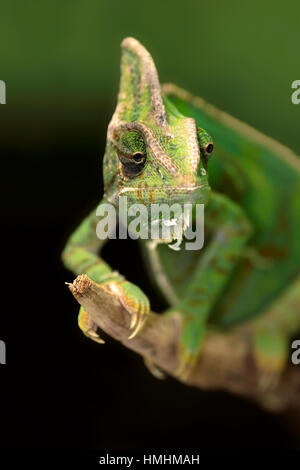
{"type": "Point", "coordinates": [158, 150]}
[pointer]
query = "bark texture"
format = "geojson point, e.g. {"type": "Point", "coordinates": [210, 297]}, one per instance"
{"type": "Point", "coordinates": [225, 362]}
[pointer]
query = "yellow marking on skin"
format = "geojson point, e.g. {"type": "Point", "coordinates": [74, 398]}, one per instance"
{"type": "Point", "coordinates": [140, 194]}
{"type": "Point", "coordinates": [85, 323]}
{"type": "Point", "coordinates": [141, 177]}
{"type": "Point", "coordinates": [151, 198]}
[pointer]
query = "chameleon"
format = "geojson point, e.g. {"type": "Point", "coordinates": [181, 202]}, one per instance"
{"type": "Point", "coordinates": [159, 149]}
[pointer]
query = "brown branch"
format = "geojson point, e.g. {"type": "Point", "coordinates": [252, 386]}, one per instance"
{"type": "Point", "coordinates": [225, 362]}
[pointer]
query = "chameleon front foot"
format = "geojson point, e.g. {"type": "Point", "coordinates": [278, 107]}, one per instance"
{"type": "Point", "coordinates": [88, 326]}
{"type": "Point", "coordinates": [134, 301]}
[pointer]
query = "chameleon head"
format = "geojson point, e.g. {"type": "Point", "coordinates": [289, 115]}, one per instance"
{"type": "Point", "coordinates": [154, 154]}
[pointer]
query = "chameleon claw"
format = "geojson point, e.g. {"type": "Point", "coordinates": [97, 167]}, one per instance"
{"type": "Point", "coordinates": [134, 320]}
{"type": "Point", "coordinates": [138, 327]}
{"type": "Point", "coordinates": [94, 336]}
{"type": "Point", "coordinates": [134, 301]}
{"type": "Point", "coordinates": [89, 327]}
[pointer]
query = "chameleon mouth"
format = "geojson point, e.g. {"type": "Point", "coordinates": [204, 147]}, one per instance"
{"type": "Point", "coordinates": [171, 191]}
{"type": "Point", "coordinates": [192, 187]}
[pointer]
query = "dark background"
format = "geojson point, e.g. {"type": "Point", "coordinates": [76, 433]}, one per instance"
{"type": "Point", "coordinates": [60, 62]}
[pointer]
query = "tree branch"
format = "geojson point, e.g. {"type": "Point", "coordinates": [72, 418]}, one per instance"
{"type": "Point", "coordinates": [225, 362]}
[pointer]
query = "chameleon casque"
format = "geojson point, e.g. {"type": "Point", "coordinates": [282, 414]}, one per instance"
{"type": "Point", "coordinates": [158, 150]}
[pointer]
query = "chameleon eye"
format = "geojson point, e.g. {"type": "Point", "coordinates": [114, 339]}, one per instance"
{"type": "Point", "coordinates": [209, 148]}
{"type": "Point", "coordinates": [138, 157]}
{"type": "Point", "coordinates": [206, 145]}
{"type": "Point", "coordinates": [206, 152]}
{"type": "Point", "coordinates": [132, 164]}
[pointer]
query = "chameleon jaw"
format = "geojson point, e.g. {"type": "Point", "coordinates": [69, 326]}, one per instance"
{"type": "Point", "coordinates": [176, 191]}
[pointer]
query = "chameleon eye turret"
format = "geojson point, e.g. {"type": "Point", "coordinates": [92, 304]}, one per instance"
{"type": "Point", "coordinates": [208, 149]}
{"type": "Point", "coordinates": [132, 165]}
{"type": "Point", "coordinates": [131, 150]}
{"type": "Point", "coordinates": [205, 144]}
{"type": "Point", "coordinates": [206, 152]}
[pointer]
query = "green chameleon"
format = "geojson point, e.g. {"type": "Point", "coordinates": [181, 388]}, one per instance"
{"type": "Point", "coordinates": [158, 151]}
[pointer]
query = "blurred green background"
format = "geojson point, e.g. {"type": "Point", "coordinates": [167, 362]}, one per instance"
{"type": "Point", "coordinates": [60, 60]}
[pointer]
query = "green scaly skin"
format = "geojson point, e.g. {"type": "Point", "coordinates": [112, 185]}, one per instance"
{"type": "Point", "coordinates": [157, 151]}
